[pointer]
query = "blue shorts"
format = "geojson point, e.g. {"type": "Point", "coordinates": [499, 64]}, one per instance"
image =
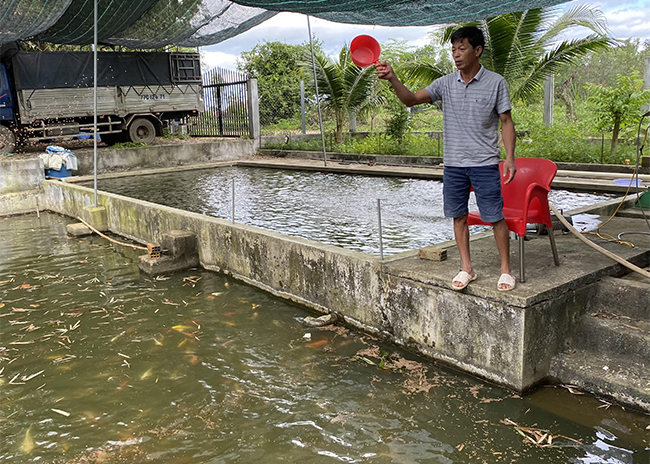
{"type": "Point", "coordinates": [457, 183]}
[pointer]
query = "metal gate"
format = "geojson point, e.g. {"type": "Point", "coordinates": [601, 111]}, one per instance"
{"type": "Point", "coordinates": [225, 101]}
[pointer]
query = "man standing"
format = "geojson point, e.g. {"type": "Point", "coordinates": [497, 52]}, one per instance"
{"type": "Point", "coordinates": [474, 100]}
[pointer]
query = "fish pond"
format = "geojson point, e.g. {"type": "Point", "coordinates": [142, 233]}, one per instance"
{"type": "Point", "coordinates": [101, 364]}
{"type": "Point", "coordinates": [334, 209]}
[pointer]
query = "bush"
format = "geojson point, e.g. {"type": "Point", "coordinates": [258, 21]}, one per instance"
{"type": "Point", "coordinates": [565, 141]}
{"type": "Point", "coordinates": [378, 144]}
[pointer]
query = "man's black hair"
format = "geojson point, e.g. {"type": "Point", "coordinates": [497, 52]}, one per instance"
{"type": "Point", "coordinates": [473, 35]}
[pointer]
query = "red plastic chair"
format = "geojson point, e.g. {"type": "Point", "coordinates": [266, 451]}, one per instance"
{"type": "Point", "coordinates": [525, 201]}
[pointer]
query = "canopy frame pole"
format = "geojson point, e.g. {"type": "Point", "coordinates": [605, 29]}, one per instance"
{"type": "Point", "coordinates": [95, 101]}
{"type": "Point", "coordinates": [320, 117]}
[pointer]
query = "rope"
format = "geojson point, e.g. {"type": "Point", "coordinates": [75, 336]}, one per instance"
{"type": "Point", "coordinates": [610, 238]}
{"type": "Point", "coordinates": [110, 239]}
{"type": "Point", "coordinates": [607, 253]}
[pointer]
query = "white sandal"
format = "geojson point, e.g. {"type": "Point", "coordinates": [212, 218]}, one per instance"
{"type": "Point", "coordinates": [506, 279]}
{"type": "Point", "coordinates": [464, 278]}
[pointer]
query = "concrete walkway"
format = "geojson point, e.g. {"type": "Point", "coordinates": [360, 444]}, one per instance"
{"type": "Point", "coordinates": [579, 264]}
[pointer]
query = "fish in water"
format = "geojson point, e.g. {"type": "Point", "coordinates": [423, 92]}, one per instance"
{"type": "Point", "coordinates": [182, 328]}
{"type": "Point", "coordinates": [318, 343]}
{"type": "Point", "coordinates": [146, 374]}
{"type": "Point", "coordinates": [117, 336]}
{"type": "Point", "coordinates": [28, 444]}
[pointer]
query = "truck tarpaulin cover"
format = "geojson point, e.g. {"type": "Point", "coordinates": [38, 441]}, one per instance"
{"type": "Point", "coordinates": [51, 70]}
{"type": "Point", "coordinates": [188, 23]}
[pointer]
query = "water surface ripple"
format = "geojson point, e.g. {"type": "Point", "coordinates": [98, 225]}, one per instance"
{"type": "Point", "coordinates": [335, 209]}
{"type": "Point", "coordinates": [100, 364]}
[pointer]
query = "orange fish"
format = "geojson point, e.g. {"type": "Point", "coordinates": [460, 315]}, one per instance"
{"type": "Point", "coordinates": [230, 314]}
{"type": "Point", "coordinates": [318, 343]}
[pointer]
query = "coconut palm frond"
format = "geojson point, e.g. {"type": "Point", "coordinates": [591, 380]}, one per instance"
{"type": "Point", "coordinates": [343, 86]}
{"type": "Point", "coordinates": [567, 53]}
{"type": "Point", "coordinates": [582, 15]}
{"type": "Point", "coordinates": [420, 73]}
{"type": "Point", "coordinates": [360, 82]}
{"type": "Point", "coordinates": [513, 44]}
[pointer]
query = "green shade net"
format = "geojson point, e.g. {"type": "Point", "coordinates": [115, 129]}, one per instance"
{"type": "Point", "coordinates": [20, 19]}
{"type": "Point", "coordinates": [425, 12]}
{"type": "Point", "coordinates": [76, 24]}
{"type": "Point", "coordinates": [156, 23]}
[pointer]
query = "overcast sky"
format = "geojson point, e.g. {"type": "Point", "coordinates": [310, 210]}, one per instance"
{"type": "Point", "coordinates": [625, 19]}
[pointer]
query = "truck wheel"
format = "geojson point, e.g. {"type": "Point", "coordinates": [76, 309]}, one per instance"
{"type": "Point", "coordinates": [7, 140]}
{"type": "Point", "coordinates": [142, 130]}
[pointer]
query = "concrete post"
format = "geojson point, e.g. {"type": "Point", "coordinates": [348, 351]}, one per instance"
{"type": "Point", "coordinates": [353, 121]}
{"type": "Point", "coordinates": [645, 160]}
{"type": "Point", "coordinates": [646, 80]}
{"type": "Point", "coordinates": [549, 96]}
{"type": "Point", "coordinates": [302, 106]}
{"type": "Point", "coordinates": [254, 112]}
{"type": "Point", "coordinates": [96, 216]}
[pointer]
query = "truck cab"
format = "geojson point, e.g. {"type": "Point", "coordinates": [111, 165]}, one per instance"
{"type": "Point", "coordinates": [6, 101]}
{"type": "Point", "coordinates": [7, 137]}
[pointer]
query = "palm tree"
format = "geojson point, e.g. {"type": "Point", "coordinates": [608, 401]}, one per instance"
{"type": "Point", "coordinates": [343, 86]}
{"type": "Point", "coordinates": [524, 47]}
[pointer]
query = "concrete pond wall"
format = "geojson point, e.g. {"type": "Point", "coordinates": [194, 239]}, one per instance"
{"type": "Point", "coordinates": [21, 185]}
{"type": "Point", "coordinates": [506, 340]}
{"type": "Point", "coordinates": [22, 176]}
{"type": "Point", "coordinates": [164, 156]}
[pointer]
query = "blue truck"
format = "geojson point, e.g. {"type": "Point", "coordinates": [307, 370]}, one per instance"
{"type": "Point", "coordinates": [49, 95]}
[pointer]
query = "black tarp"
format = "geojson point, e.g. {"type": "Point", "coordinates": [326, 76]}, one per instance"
{"type": "Point", "coordinates": [51, 70]}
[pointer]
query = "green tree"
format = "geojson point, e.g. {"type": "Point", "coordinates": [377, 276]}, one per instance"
{"type": "Point", "coordinates": [343, 86]}
{"type": "Point", "coordinates": [276, 66]}
{"type": "Point", "coordinates": [619, 106]}
{"type": "Point", "coordinates": [600, 67]}
{"type": "Point", "coordinates": [523, 47]}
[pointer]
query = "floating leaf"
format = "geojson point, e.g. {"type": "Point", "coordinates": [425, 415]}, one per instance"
{"type": "Point", "coordinates": [366, 360]}
{"type": "Point", "coordinates": [28, 444]}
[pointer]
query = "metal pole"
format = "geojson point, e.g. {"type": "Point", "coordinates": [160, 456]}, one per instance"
{"type": "Point", "coordinates": [233, 199]}
{"type": "Point", "coordinates": [381, 241]}
{"type": "Point", "coordinates": [302, 105]}
{"type": "Point", "coordinates": [320, 117]}
{"type": "Point", "coordinates": [95, 101]}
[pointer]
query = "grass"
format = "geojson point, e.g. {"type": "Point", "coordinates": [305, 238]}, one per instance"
{"type": "Point", "coordinates": [565, 141]}
{"type": "Point", "coordinates": [380, 144]}
{"type": "Point", "coordinates": [122, 145]}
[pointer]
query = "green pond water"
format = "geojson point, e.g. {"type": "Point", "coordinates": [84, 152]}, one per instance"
{"type": "Point", "coordinates": [336, 209]}
{"type": "Point", "coordinates": [101, 364]}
